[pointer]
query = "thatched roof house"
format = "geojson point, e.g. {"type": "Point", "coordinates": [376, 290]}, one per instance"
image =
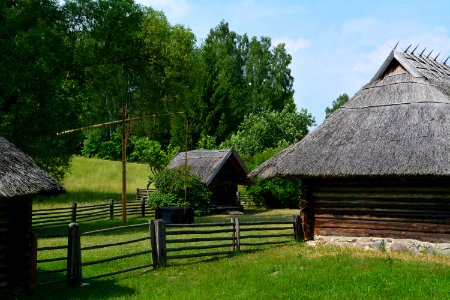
{"type": "Point", "coordinates": [383, 156]}
{"type": "Point", "coordinates": [20, 178]}
{"type": "Point", "coordinates": [220, 170]}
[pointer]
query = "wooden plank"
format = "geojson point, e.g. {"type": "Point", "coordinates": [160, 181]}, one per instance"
{"type": "Point", "coordinates": [383, 233]}
{"type": "Point", "coordinates": [381, 218]}
{"type": "Point", "coordinates": [381, 225]}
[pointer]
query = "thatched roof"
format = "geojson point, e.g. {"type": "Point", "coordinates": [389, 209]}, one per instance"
{"type": "Point", "coordinates": [207, 164]}
{"type": "Point", "coordinates": [396, 125]}
{"type": "Point", "coordinates": [20, 176]}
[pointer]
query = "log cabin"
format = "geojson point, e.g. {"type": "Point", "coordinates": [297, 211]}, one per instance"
{"type": "Point", "coordinates": [221, 170]}
{"type": "Point", "coordinates": [20, 180]}
{"type": "Point", "coordinates": [379, 166]}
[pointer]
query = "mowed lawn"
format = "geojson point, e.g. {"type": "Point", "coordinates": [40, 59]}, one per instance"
{"type": "Point", "coordinates": [91, 180]}
{"type": "Point", "coordinates": [292, 271]}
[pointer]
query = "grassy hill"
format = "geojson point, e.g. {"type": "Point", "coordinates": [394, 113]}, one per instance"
{"type": "Point", "coordinates": [91, 180]}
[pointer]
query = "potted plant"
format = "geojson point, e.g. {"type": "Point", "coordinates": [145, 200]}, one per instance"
{"type": "Point", "coordinates": [175, 204]}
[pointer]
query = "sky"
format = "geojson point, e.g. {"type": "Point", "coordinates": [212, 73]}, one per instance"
{"type": "Point", "coordinates": [336, 46]}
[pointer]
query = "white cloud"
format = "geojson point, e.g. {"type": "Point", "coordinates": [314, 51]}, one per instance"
{"type": "Point", "coordinates": [293, 45]}
{"type": "Point", "coordinates": [175, 10]}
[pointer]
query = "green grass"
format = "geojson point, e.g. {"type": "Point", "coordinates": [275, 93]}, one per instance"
{"type": "Point", "coordinates": [293, 271]}
{"type": "Point", "coordinates": [91, 180]}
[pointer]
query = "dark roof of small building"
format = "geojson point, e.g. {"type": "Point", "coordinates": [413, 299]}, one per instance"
{"type": "Point", "coordinates": [396, 125]}
{"type": "Point", "coordinates": [20, 176]}
{"type": "Point", "coordinates": [207, 164]}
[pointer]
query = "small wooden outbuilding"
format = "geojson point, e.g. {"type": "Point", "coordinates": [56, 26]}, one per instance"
{"type": "Point", "coordinates": [380, 165]}
{"type": "Point", "coordinates": [20, 180]}
{"type": "Point", "coordinates": [221, 170]}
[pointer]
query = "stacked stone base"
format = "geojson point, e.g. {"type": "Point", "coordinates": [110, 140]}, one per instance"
{"type": "Point", "coordinates": [383, 244]}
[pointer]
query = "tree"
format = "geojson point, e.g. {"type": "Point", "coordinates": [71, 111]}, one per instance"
{"type": "Point", "coordinates": [243, 76]}
{"type": "Point", "coordinates": [259, 137]}
{"type": "Point", "coordinates": [36, 90]}
{"type": "Point", "coordinates": [341, 100]}
{"type": "Point", "coordinates": [269, 130]}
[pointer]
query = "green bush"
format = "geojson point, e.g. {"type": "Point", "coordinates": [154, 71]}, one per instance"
{"type": "Point", "coordinates": [276, 193]}
{"type": "Point", "coordinates": [170, 191]}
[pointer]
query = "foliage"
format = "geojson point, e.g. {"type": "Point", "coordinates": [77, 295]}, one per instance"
{"type": "Point", "coordinates": [276, 193]}
{"type": "Point", "coordinates": [341, 100]}
{"type": "Point", "coordinates": [170, 184]}
{"type": "Point", "coordinates": [270, 129]}
{"type": "Point", "coordinates": [242, 76]}
{"type": "Point", "coordinates": [151, 153]}
{"type": "Point", "coordinates": [262, 135]}
{"type": "Point", "coordinates": [37, 94]}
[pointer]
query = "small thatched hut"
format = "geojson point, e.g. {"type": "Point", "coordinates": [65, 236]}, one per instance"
{"type": "Point", "coordinates": [20, 179]}
{"type": "Point", "coordinates": [379, 165]}
{"type": "Point", "coordinates": [221, 170]}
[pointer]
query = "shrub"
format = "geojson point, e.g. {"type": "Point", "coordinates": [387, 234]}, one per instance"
{"type": "Point", "coordinates": [276, 193]}
{"type": "Point", "coordinates": [170, 191]}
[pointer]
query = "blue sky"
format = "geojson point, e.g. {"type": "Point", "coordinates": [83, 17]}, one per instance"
{"type": "Point", "coordinates": [336, 46]}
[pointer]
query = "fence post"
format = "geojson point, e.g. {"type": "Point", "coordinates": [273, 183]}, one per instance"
{"type": "Point", "coordinates": [33, 258]}
{"type": "Point", "coordinates": [111, 209]}
{"type": "Point", "coordinates": [73, 218]}
{"type": "Point", "coordinates": [153, 243]}
{"type": "Point", "coordinates": [298, 230]}
{"type": "Point", "coordinates": [143, 207]}
{"type": "Point", "coordinates": [74, 256]}
{"type": "Point", "coordinates": [237, 230]}
{"type": "Point", "coordinates": [161, 242]}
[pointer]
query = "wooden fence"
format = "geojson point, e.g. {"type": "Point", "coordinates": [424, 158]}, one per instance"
{"type": "Point", "coordinates": [156, 243]}
{"type": "Point", "coordinates": [85, 213]}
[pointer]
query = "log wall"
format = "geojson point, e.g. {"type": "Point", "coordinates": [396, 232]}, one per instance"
{"type": "Point", "coordinates": [15, 243]}
{"type": "Point", "coordinates": [392, 207]}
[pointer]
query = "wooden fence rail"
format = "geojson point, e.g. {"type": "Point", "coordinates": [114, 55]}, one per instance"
{"type": "Point", "coordinates": [166, 242]}
{"type": "Point", "coordinates": [87, 213]}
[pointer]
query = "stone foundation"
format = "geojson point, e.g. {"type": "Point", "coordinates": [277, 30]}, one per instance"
{"type": "Point", "coordinates": [383, 244]}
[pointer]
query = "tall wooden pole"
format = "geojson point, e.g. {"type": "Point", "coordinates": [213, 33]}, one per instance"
{"type": "Point", "coordinates": [124, 166]}
{"type": "Point", "coordinates": [185, 166]}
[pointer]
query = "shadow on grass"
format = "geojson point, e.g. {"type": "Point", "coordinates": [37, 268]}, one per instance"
{"type": "Point", "coordinates": [93, 225]}
{"type": "Point", "coordinates": [102, 288]}
{"type": "Point", "coordinates": [83, 198]}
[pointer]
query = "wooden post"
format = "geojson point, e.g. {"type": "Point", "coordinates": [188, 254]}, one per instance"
{"type": "Point", "coordinates": [33, 260]}
{"type": "Point", "coordinates": [237, 230]}
{"type": "Point", "coordinates": [161, 242]}
{"type": "Point", "coordinates": [124, 166]}
{"type": "Point", "coordinates": [74, 256]}
{"type": "Point", "coordinates": [298, 230]}
{"type": "Point", "coordinates": [153, 243]}
{"type": "Point", "coordinates": [73, 218]}
{"type": "Point", "coordinates": [233, 234]}
{"type": "Point", "coordinates": [143, 207]}
{"type": "Point", "coordinates": [111, 209]}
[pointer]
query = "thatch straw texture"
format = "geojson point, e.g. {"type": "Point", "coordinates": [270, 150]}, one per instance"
{"type": "Point", "coordinates": [208, 163]}
{"type": "Point", "coordinates": [20, 176]}
{"type": "Point", "coordinates": [397, 125]}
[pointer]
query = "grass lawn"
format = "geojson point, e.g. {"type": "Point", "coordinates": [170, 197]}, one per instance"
{"type": "Point", "coordinates": [291, 271]}
{"type": "Point", "coordinates": [91, 180]}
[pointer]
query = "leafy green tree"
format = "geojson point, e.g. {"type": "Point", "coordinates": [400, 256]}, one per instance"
{"type": "Point", "coordinates": [259, 137]}
{"type": "Point", "coordinates": [243, 76]}
{"type": "Point", "coordinates": [36, 90]}
{"type": "Point", "coordinates": [341, 100]}
{"type": "Point", "coordinates": [269, 130]}
{"type": "Point", "coordinates": [150, 152]}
